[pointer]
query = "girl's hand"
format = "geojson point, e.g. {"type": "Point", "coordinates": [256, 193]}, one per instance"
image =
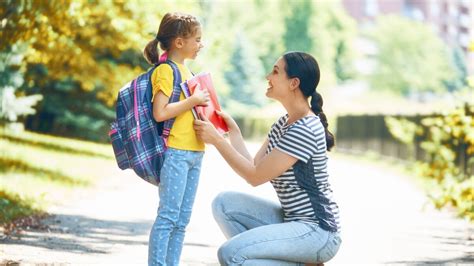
{"type": "Point", "coordinates": [231, 124]}
{"type": "Point", "coordinates": [206, 131]}
{"type": "Point", "coordinates": [200, 96]}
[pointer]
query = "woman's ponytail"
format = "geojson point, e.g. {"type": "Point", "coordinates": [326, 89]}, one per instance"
{"type": "Point", "coordinates": [151, 53]}
{"type": "Point", "coordinates": [317, 108]}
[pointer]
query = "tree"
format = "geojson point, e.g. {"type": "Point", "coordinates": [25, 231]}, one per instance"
{"type": "Point", "coordinates": [459, 80]}
{"type": "Point", "coordinates": [11, 105]}
{"type": "Point", "coordinates": [333, 32]}
{"type": "Point", "coordinates": [411, 59]}
{"type": "Point", "coordinates": [251, 19]}
{"type": "Point", "coordinates": [323, 29]}
{"type": "Point", "coordinates": [77, 54]}
{"type": "Point", "coordinates": [244, 77]}
{"type": "Point", "coordinates": [296, 36]}
{"type": "Point", "coordinates": [74, 39]}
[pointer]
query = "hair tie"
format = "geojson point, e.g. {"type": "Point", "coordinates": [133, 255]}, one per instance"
{"type": "Point", "coordinates": [157, 38]}
{"type": "Point", "coordinates": [163, 57]}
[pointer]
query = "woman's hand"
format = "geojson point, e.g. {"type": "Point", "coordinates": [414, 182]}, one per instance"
{"type": "Point", "coordinates": [206, 131]}
{"type": "Point", "coordinates": [231, 124]}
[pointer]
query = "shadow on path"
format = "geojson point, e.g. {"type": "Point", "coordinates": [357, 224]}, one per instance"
{"type": "Point", "coordinates": [464, 259]}
{"type": "Point", "coordinates": [81, 234]}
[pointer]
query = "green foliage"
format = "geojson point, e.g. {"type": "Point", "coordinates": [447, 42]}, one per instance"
{"type": "Point", "coordinates": [460, 69]}
{"type": "Point", "coordinates": [410, 57]}
{"type": "Point", "coordinates": [38, 170]}
{"type": "Point", "coordinates": [402, 129]}
{"type": "Point", "coordinates": [71, 49]}
{"type": "Point", "coordinates": [68, 37]}
{"type": "Point", "coordinates": [244, 77]}
{"type": "Point", "coordinates": [333, 32]}
{"type": "Point", "coordinates": [10, 67]}
{"type": "Point", "coordinates": [296, 37]}
{"type": "Point", "coordinates": [447, 137]}
{"type": "Point", "coordinates": [457, 193]}
{"type": "Point", "coordinates": [12, 207]}
{"type": "Point", "coordinates": [11, 78]}
{"type": "Point", "coordinates": [78, 54]}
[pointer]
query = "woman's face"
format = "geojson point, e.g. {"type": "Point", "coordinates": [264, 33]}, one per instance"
{"type": "Point", "coordinates": [278, 81]}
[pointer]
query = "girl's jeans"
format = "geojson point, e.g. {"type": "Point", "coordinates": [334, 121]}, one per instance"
{"type": "Point", "coordinates": [257, 234]}
{"type": "Point", "coordinates": [177, 190]}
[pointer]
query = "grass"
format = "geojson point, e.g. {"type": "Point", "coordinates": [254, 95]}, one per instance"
{"type": "Point", "coordinates": [13, 206]}
{"type": "Point", "coordinates": [37, 171]}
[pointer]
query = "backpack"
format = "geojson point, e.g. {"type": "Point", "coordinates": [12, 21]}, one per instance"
{"type": "Point", "coordinates": [138, 141]}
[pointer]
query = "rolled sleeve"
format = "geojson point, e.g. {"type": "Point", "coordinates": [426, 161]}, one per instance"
{"type": "Point", "coordinates": [162, 80]}
{"type": "Point", "coordinates": [299, 142]}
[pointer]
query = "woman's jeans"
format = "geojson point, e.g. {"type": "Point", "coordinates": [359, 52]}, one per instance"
{"type": "Point", "coordinates": [257, 234]}
{"type": "Point", "coordinates": [177, 190]}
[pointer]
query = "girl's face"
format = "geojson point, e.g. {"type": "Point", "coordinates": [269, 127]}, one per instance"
{"type": "Point", "coordinates": [192, 45]}
{"type": "Point", "coordinates": [278, 81]}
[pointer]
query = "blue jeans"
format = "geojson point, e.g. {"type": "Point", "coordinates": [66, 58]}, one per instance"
{"type": "Point", "coordinates": [257, 234]}
{"type": "Point", "coordinates": [178, 184]}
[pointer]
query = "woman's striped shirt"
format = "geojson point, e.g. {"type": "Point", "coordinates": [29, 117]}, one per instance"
{"type": "Point", "coordinates": [303, 190]}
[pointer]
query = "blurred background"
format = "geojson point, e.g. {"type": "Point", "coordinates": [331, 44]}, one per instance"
{"type": "Point", "coordinates": [397, 82]}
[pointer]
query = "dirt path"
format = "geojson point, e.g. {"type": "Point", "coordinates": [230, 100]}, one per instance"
{"type": "Point", "coordinates": [384, 221]}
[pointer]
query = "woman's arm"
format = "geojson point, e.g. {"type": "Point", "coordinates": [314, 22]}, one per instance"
{"type": "Point", "coordinates": [236, 140]}
{"type": "Point", "coordinates": [268, 167]}
{"type": "Point", "coordinates": [163, 110]}
{"type": "Point", "coordinates": [271, 166]}
{"type": "Point", "coordinates": [261, 152]}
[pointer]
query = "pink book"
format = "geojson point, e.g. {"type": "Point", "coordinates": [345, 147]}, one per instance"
{"type": "Point", "coordinates": [203, 81]}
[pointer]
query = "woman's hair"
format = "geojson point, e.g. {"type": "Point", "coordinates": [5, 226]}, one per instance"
{"type": "Point", "coordinates": [304, 67]}
{"type": "Point", "coordinates": [172, 26]}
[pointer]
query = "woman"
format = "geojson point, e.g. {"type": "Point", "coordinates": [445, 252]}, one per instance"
{"type": "Point", "coordinates": [304, 228]}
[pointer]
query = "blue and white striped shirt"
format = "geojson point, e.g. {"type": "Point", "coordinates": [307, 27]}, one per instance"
{"type": "Point", "coordinates": [303, 190]}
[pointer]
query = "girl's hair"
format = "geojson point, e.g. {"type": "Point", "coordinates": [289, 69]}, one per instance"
{"type": "Point", "coordinates": [304, 67]}
{"type": "Point", "coordinates": [172, 26]}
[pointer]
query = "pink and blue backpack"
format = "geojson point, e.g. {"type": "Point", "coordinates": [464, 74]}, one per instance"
{"type": "Point", "coordinates": [138, 141]}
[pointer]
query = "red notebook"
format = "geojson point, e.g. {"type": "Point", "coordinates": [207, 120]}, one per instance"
{"type": "Point", "coordinates": [203, 81]}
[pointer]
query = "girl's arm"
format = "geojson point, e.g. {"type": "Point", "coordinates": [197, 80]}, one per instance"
{"type": "Point", "coordinates": [163, 110]}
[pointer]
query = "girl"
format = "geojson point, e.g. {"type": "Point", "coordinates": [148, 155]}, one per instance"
{"type": "Point", "coordinates": [179, 35]}
{"type": "Point", "coordinates": [304, 228]}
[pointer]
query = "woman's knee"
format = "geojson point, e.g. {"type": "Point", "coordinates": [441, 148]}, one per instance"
{"type": "Point", "coordinates": [220, 201]}
{"type": "Point", "coordinates": [222, 255]}
{"type": "Point", "coordinates": [227, 254]}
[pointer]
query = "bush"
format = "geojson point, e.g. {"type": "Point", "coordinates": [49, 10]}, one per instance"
{"type": "Point", "coordinates": [449, 144]}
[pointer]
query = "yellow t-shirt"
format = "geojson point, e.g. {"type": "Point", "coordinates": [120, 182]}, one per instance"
{"type": "Point", "coordinates": [182, 135]}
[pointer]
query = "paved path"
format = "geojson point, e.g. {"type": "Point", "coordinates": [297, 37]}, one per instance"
{"type": "Point", "coordinates": [383, 215]}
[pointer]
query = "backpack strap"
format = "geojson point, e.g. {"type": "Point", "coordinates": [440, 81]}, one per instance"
{"type": "Point", "coordinates": [168, 124]}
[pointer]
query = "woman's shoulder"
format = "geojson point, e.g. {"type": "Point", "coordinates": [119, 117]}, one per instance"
{"type": "Point", "coordinates": [310, 120]}
{"type": "Point", "coordinates": [309, 123]}
{"type": "Point", "coordinates": [280, 122]}
{"type": "Point", "coordinates": [283, 119]}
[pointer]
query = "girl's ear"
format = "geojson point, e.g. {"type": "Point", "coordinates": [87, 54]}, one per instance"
{"type": "Point", "coordinates": [179, 42]}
